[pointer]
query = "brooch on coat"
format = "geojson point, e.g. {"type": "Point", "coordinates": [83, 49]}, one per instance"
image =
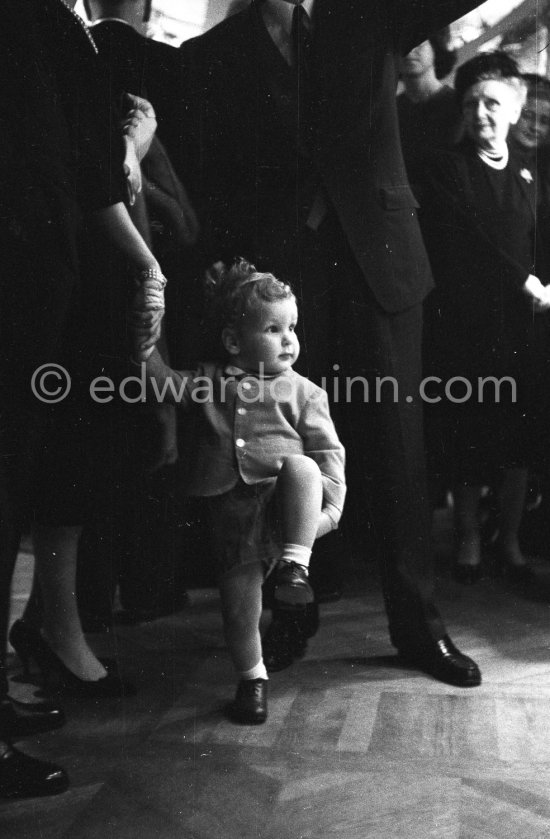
{"type": "Point", "coordinates": [526, 175]}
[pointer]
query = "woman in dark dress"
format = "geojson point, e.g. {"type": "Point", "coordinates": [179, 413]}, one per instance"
{"type": "Point", "coordinates": [61, 162]}
{"type": "Point", "coordinates": [480, 226]}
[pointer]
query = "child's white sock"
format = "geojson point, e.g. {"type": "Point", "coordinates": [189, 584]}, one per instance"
{"type": "Point", "coordinates": [296, 553]}
{"type": "Point", "coordinates": [256, 672]}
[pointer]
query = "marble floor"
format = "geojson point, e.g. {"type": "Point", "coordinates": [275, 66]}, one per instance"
{"type": "Point", "coordinates": [356, 745]}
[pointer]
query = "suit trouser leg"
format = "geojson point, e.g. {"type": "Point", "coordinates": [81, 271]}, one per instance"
{"type": "Point", "coordinates": [386, 467]}
{"type": "Point", "coordinates": [350, 335]}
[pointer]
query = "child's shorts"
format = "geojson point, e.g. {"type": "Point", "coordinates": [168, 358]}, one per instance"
{"type": "Point", "coordinates": [244, 527]}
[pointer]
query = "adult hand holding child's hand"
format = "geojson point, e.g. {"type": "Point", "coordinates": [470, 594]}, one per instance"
{"type": "Point", "coordinates": [146, 313]}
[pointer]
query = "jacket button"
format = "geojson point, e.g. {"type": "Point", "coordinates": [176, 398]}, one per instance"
{"type": "Point", "coordinates": [241, 411]}
{"type": "Point", "coordinates": [246, 385]}
{"type": "Point", "coordinates": [239, 442]}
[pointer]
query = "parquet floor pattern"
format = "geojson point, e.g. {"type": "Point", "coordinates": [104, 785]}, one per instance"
{"type": "Point", "coordinates": [356, 745]}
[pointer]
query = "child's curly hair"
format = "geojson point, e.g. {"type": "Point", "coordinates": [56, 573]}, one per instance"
{"type": "Point", "coordinates": [236, 291]}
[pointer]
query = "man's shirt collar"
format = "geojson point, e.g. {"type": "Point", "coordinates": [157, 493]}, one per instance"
{"type": "Point", "coordinates": [282, 12]}
{"type": "Point", "coordinates": [110, 20]}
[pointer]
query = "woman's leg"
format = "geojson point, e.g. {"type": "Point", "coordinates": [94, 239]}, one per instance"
{"type": "Point", "coordinates": [56, 550]}
{"type": "Point", "coordinates": [468, 537]}
{"type": "Point", "coordinates": [34, 611]}
{"type": "Point", "coordinates": [511, 497]}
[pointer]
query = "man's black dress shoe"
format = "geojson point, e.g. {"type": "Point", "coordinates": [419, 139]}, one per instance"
{"type": "Point", "coordinates": [250, 705]}
{"type": "Point", "coordinates": [443, 661]}
{"type": "Point", "coordinates": [25, 719]}
{"type": "Point", "coordinates": [22, 776]}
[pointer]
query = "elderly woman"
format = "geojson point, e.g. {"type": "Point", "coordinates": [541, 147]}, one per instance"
{"type": "Point", "coordinates": [480, 226]}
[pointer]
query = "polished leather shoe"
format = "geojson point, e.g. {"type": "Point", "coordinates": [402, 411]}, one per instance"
{"type": "Point", "coordinates": [444, 662]}
{"type": "Point", "coordinates": [58, 679]}
{"type": "Point", "coordinates": [292, 584]}
{"type": "Point", "coordinates": [285, 639]}
{"type": "Point", "coordinates": [22, 776]}
{"type": "Point", "coordinates": [25, 719]}
{"type": "Point", "coordinates": [250, 705]}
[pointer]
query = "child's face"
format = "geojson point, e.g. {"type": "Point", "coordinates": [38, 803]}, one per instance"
{"type": "Point", "coordinates": [268, 336]}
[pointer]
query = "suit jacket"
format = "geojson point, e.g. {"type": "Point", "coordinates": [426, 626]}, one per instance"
{"type": "Point", "coordinates": [243, 147]}
{"type": "Point", "coordinates": [249, 424]}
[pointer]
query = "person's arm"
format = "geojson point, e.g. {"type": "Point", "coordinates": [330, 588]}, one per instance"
{"type": "Point", "coordinates": [138, 129]}
{"type": "Point", "coordinates": [321, 443]}
{"type": "Point", "coordinates": [148, 305]}
{"type": "Point", "coordinates": [117, 226]}
{"type": "Point", "coordinates": [416, 20]}
{"type": "Point", "coordinates": [139, 123]}
{"type": "Point", "coordinates": [164, 385]}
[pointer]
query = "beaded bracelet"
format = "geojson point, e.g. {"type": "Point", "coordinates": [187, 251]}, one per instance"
{"type": "Point", "coordinates": [152, 274]}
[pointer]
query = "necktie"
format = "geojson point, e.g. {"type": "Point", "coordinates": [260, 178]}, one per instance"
{"type": "Point", "coordinates": [301, 40]}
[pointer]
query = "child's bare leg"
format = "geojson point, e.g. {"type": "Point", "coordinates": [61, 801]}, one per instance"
{"type": "Point", "coordinates": [300, 498]}
{"type": "Point", "coordinates": [300, 495]}
{"type": "Point", "coordinates": [241, 598]}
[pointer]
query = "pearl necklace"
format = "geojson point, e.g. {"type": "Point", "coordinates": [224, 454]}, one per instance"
{"type": "Point", "coordinates": [82, 25]}
{"type": "Point", "coordinates": [500, 162]}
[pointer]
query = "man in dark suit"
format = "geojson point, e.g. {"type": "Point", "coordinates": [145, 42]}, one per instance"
{"type": "Point", "coordinates": [294, 160]}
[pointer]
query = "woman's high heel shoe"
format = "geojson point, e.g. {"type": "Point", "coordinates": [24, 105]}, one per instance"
{"type": "Point", "coordinates": [20, 637]}
{"type": "Point", "coordinates": [30, 645]}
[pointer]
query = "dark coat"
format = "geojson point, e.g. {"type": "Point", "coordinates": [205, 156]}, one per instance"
{"type": "Point", "coordinates": [60, 158]}
{"type": "Point", "coordinates": [243, 145]}
{"type": "Point", "coordinates": [482, 249]}
{"type": "Point", "coordinates": [148, 68]}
